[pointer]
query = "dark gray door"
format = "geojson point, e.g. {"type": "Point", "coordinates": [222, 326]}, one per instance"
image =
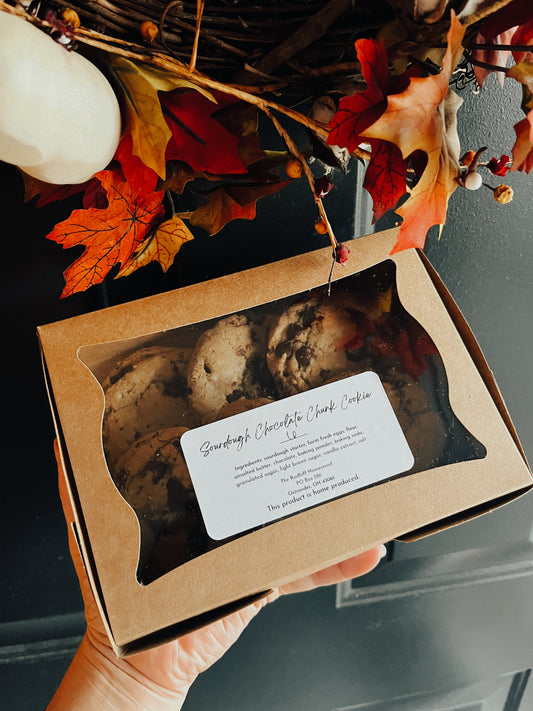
{"type": "Point", "coordinates": [446, 623]}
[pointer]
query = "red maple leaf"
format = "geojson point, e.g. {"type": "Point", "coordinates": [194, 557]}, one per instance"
{"type": "Point", "coordinates": [386, 172]}
{"type": "Point", "coordinates": [137, 174]}
{"type": "Point", "coordinates": [198, 139]}
{"type": "Point", "coordinates": [56, 193]}
{"type": "Point", "coordinates": [385, 177]}
{"type": "Point", "coordinates": [109, 235]}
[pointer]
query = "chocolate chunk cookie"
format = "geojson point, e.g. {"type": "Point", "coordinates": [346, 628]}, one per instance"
{"type": "Point", "coordinates": [314, 339]}
{"type": "Point", "coordinates": [228, 363]}
{"type": "Point", "coordinates": [153, 478]}
{"type": "Point", "coordinates": [422, 426]}
{"type": "Point", "coordinates": [145, 392]}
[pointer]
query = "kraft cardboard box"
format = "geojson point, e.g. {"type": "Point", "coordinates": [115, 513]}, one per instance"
{"type": "Point", "coordinates": [231, 436]}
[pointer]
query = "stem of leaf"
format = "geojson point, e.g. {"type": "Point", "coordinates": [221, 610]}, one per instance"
{"type": "Point", "coordinates": [170, 198]}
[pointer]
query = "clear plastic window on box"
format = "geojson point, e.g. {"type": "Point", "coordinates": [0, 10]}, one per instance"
{"type": "Point", "coordinates": [160, 387]}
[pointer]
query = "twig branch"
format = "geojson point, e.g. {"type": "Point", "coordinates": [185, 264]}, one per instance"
{"type": "Point", "coordinates": [293, 148]}
{"type": "Point", "coordinates": [200, 4]}
{"type": "Point", "coordinates": [313, 29]}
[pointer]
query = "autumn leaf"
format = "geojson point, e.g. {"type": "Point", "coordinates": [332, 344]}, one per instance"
{"type": "Point", "coordinates": [385, 177]}
{"type": "Point", "coordinates": [242, 120]}
{"type": "Point", "coordinates": [423, 117]}
{"type": "Point", "coordinates": [356, 113]}
{"type": "Point", "coordinates": [134, 170]}
{"type": "Point", "coordinates": [198, 139]}
{"type": "Point", "coordinates": [514, 14]}
{"type": "Point", "coordinates": [161, 246]}
{"type": "Point", "coordinates": [494, 57]}
{"type": "Point", "coordinates": [47, 191]}
{"type": "Point", "coordinates": [139, 85]}
{"type": "Point", "coordinates": [523, 147]}
{"type": "Point", "coordinates": [523, 73]}
{"type": "Point", "coordinates": [109, 235]}
{"type": "Point", "coordinates": [523, 36]}
{"type": "Point", "coordinates": [178, 175]}
{"type": "Point", "coordinates": [511, 25]}
{"type": "Point", "coordinates": [230, 203]}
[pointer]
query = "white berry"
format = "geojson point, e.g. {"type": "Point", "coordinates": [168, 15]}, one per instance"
{"type": "Point", "coordinates": [473, 181]}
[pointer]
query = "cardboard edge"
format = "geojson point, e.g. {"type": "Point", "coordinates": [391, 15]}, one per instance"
{"type": "Point", "coordinates": [474, 351]}
{"type": "Point", "coordinates": [77, 525]}
{"type": "Point", "coordinates": [80, 537]}
{"type": "Point", "coordinates": [158, 637]}
{"type": "Point", "coordinates": [487, 376]}
{"type": "Point", "coordinates": [173, 632]}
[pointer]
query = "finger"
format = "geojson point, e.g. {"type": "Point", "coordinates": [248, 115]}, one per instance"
{"type": "Point", "coordinates": [348, 569]}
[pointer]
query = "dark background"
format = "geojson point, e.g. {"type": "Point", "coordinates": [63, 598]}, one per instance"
{"type": "Point", "coordinates": [484, 256]}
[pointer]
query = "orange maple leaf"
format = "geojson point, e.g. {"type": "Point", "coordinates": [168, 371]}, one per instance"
{"type": "Point", "coordinates": [423, 117]}
{"type": "Point", "coordinates": [231, 202]}
{"type": "Point", "coordinates": [110, 235]}
{"type": "Point", "coordinates": [161, 246]}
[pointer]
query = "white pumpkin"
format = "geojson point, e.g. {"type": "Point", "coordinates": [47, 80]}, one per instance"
{"type": "Point", "coordinates": [59, 116]}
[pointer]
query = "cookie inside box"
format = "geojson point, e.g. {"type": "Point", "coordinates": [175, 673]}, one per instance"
{"type": "Point", "coordinates": [246, 366]}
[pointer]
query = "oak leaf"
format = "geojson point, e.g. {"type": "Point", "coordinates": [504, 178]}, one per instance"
{"type": "Point", "coordinates": [423, 117]}
{"type": "Point", "coordinates": [161, 246]}
{"type": "Point", "coordinates": [198, 139]}
{"type": "Point", "coordinates": [230, 203]}
{"type": "Point", "coordinates": [109, 235]}
{"type": "Point", "coordinates": [139, 85]}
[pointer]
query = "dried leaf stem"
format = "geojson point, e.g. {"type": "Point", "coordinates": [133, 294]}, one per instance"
{"type": "Point", "coordinates": [486, 9]}
{"type": "Point", "coordinates": [293, 148]}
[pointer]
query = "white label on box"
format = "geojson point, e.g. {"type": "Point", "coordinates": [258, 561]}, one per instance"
{"type": "Point", "coordinates": [281, 458]}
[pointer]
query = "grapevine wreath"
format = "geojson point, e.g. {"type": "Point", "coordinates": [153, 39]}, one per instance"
{"type": "Point", "coordinates": [135, 101]}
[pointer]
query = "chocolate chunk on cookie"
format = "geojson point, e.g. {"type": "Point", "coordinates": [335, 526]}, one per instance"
{"type": "Point", "coordinates": [153, 478]}
{"type": "Point", "coordinates": [145, 392]}
{"type": "Point", "coordinates": [227, 364]}
{"type": "Point", "coordinates": [314, 339]}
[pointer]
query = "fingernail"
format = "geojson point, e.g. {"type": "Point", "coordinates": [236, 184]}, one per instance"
{"type": "Point", "coordinates": [382, 551]}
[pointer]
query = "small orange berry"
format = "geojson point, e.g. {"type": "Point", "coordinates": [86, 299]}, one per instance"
{"type": "Point", "coordinates": [70, 17]}
{"type": "Point", "coordinates": [149, 30]}
{"type": "Point", "coordinates": [294, 168]}
{"type": "Point", "coordinates": [321, 227]}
